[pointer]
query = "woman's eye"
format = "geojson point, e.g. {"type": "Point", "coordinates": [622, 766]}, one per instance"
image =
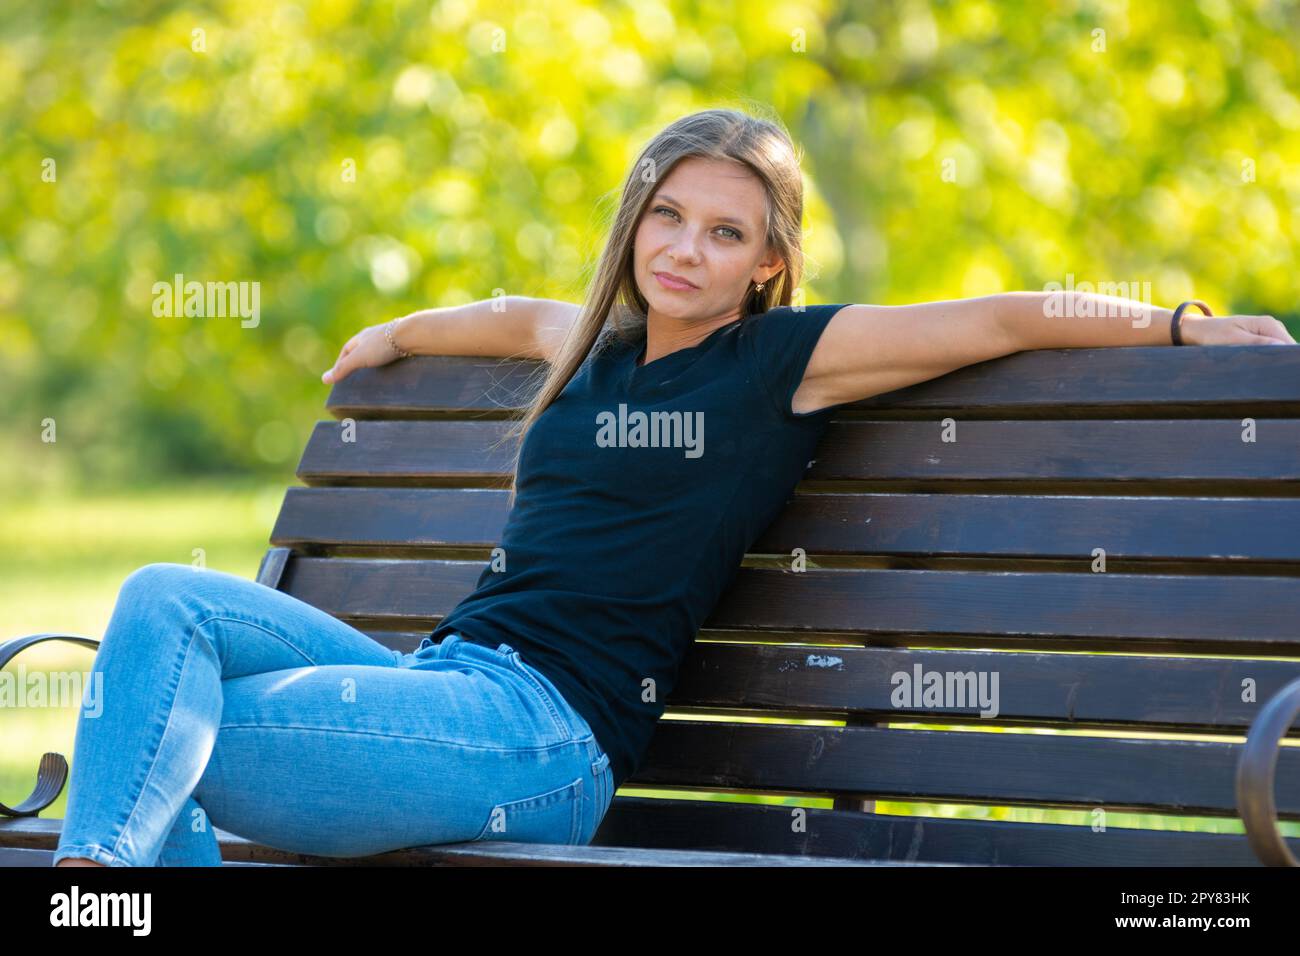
{"type": "Point", "coordinates": [672, 212]}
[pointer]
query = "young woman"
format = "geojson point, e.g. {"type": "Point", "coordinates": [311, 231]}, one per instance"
{"type": "Point", "coordinates": [680, 407]}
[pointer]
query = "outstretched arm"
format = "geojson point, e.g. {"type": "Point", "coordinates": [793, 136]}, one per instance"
{"type": "Point", "coordinates": [1071, 320]}
{"type": "Point", "coordinates": [866, 350]}
{"type": "Point", "coordinates": [509, 327]}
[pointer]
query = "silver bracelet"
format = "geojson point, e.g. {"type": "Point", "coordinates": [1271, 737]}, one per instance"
{"type": "Point", "coordinates": [388, 334]}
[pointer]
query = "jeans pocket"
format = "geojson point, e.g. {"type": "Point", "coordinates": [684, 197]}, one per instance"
{"type": "Point", "coordinates": [607, 784]}
{"type": "Point", "coordinates": [551, 817]}
{"type": "Point", "coordinates": [516, 662]}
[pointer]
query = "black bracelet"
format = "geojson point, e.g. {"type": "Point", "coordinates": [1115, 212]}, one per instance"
{"type": "Point", "coordinates": [1175, 324]}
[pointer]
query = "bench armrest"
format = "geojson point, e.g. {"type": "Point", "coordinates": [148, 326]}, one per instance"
{"type": "Point", "coordinates": [52, 774]}
{"type": "Point", "coordinates": [1255, 776]}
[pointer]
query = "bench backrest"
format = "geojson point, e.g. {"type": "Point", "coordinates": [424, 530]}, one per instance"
{"type": "Point", "coordinates": [1134, 503]}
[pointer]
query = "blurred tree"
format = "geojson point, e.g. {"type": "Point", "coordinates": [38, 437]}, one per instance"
{"type": "Point", "coordinates": [358, 162]}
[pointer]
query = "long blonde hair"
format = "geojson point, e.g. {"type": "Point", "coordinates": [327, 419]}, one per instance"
{"type": "Point", "coordinates": [613, 304]}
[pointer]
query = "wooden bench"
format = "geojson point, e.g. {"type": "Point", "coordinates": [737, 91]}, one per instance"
{"type": "Point", "coordinates": [995, 521]}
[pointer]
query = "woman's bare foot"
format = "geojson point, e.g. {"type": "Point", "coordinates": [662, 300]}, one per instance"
{"type": "Point", "coordinates": [77, 861]}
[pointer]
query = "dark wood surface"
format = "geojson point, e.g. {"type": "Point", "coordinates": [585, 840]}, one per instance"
{"type": "Point", "coordinates": [1147, 381]}
{"type": "Point", "coordinates": [974, 555]}
{"type": "Point", "coordinates": [1204, 532]}
{"type": "Point", "coordinates": [1082, 611]}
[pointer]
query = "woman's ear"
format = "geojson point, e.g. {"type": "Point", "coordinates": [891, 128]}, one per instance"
{"type": "Point", "coordinates": [774, 265]}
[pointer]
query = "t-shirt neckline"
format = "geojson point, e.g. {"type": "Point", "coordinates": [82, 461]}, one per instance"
{"type": "Point", "coordinates": [686, 351]}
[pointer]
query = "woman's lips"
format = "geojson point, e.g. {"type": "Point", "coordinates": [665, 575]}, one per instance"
{"type": "Point", "coordinates": [673, 284]}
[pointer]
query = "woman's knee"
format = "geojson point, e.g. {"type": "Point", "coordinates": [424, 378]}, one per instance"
{"type": "Point", "coordinates": [158, 578]}
{"type": "Point", "coordinates": [169, 593]}
{"type": "Point", "coordinates": [162, 579]}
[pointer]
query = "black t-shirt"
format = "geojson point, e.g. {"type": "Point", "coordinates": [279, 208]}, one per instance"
{"type": "Point", "coordinates": [639, 491]}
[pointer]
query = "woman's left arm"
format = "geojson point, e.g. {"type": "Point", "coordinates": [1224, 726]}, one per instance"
{"type": "Point", "coordinates": [1071, 320]}
{"type": "Point", "coordinates": [867, 350]}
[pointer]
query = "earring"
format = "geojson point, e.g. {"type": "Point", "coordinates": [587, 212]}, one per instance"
{"type": "Point", "coordinates": [759, 287]}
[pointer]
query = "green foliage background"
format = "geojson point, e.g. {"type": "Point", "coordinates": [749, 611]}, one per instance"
{"type": "Point", "coordinates": [1109, 141]}
{"type": "Point", "coordinates": [489, 140]}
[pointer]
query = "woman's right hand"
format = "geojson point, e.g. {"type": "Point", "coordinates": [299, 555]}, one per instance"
{"type": "Point", "coordinates": [369, 348]}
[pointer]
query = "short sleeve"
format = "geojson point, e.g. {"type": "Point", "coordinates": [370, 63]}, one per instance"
{"type": "Point", "coordinates": [781, 341]}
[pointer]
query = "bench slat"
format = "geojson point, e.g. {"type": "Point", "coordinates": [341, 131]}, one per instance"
{"type": "Point", "coordinates": [1235, 614]}
{"type": "Point", "coordinates": [1098, 691]}
{"type": "Point", "coordinates": [1182, 776]}
{"type": "Point", "coordinates": [756, 828]}
{"type": "Point", "coordinates": [1154, 377]}
{"type": "Point", "coordinates": [1117, 691]}
{"type": "Point", "coordinates": [26, 836]}
{"type": "Point", "coordinates": [399, 520]}
{"type": "Point", "coordinates": [396, 451]}
{"type": "Point", "coordinates": [1040, 453]}
{"type": "Point", "coordinates": [1125, 612]}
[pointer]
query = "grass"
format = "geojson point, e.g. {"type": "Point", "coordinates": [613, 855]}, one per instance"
{"type": "Point", "coordinates": [62, 560]}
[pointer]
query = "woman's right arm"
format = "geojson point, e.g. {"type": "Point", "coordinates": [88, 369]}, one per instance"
{"type": "Point", "coordinates": [526, 328]}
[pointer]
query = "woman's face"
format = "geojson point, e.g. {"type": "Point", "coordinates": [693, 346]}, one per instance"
{"type": "Point", "coordinates": [704, 223]}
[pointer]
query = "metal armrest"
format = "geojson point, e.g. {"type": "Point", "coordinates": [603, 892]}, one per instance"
{"type": "Point", "coordinates": [1255, 776]}
{"type": "Point", "coordinates": [52, 774]}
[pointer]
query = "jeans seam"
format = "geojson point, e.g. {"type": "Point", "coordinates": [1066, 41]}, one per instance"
{"type": "Point", "coordinates": [93, 851]}
{"type": "Point", "coordinates": [597, 790]}
{"type": "Point", "coordinates": [518, 662]}
{"type": "Point", "coordinates": [369, 733]}
{"type": "Point", "coordinates": [157, 748]}
{"type": "Point", "coordinates": [226, 616]}
{"type": "Point", "coordinates": [575, 827]}
{"type": "Point", "coordinates": [513, 662]}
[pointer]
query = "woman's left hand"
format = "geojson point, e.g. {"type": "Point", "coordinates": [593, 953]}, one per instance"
{"type": "Point", "coordinates": [1234, 330]}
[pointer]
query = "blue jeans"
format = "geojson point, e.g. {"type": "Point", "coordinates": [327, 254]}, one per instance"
{"type": "Point", "coordinates": [228, 703]}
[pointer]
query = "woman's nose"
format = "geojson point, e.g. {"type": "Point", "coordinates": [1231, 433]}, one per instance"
{"type": "Point", "coordinates": [685, 251]}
